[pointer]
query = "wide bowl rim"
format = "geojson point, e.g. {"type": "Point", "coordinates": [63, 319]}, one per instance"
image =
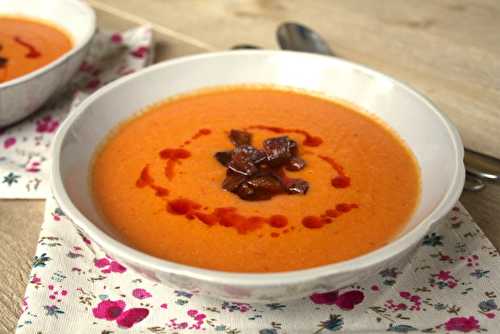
{"type": "Point", "coordinates": [380, 255]}
{"type": "Point", "coordinates": [64, 57]}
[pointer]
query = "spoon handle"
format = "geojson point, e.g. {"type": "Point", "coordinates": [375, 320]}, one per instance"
{"type": "Point", "coordinates": [482, 166]}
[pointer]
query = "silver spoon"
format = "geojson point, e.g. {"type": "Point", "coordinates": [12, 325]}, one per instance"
{"type": "Point", "coordinates": [298, 37]}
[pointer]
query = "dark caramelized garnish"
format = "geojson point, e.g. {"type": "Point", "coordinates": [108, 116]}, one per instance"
{"type": "Point", "coordinates": [297, 186]}
{"type": "Point", "coordinates": [223, 157]}
{"type": "Point", "coordinates": [279, 150]}
{"type": "Point", "coordinates": [233, 181]}
{"type": "Point", "coordinates": [3, 60]}
{"type": "Point", "coordinates": [240, 138]}
{"type": "Point", "coordinates": [295, 164]}
{"type": "Point", "coordinates": [245, 159]}
{"type": "Point", "coordinates": [255, 174]}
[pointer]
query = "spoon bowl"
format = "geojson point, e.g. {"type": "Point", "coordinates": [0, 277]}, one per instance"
{"type": "Point", "coordinates": [297, 37]}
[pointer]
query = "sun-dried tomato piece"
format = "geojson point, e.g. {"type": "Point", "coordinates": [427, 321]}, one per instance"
{"type": "Point", "coordinates": [223, 157]}
{"type": "Point", "coordinates": [240, 138]}
{"type": "Point", "coordinates": [233, 181]}
{"type": "Point", "coordinates": [279, 150]}
{"type": "Point", "coordinates": [295, 164]}
{"type": "Point", "coordinates": [297, 186]}
{"type": "Point", "coordinates": [245, 159]}
{"type": "Point", "coordinates": [255, 174]}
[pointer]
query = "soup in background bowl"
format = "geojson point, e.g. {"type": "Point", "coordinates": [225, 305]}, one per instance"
{"type": "Point", "coordinates": [105, 147]}
{"type": "Point", "coordinates": [43, 44]}
{"type": "Point", "coordinates": [27, 45]}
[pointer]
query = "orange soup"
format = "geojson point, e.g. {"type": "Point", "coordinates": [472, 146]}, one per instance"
{"type": "Point", "coordinates": [255, 179]}
{"type": "Point", "coordinates": [26, 45]}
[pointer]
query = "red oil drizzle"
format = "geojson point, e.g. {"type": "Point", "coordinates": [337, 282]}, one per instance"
{"type": "Point", "coordinates": [201, 133]}
{"type": "Point", "coordinates": [173, 155]}
{"type": "Point", "coordinates": [313, 222]}
{"type": "Point", "coordinates": [32, 51]}
{"type": "Point", "coordinates": [145, 180]}
{"type": "Point", "coordinates": [182, 206]}
{"type": "Point", "coordinates": [345, 207]}
{"type": "Point", "coordinates": [227, 216]}
{"type": "Point", "coordinates": [327, 217]}
{"type": "Point", "coordinates": [309, 139]}
{"type": "Point", "coordinates": [341, 180]}
{"type": "Point", "coordinates": [278, 221]}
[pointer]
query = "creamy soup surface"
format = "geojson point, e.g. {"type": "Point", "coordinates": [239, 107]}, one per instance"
{"type": "Point", "coordinates": [156, 181]}
{"type": "Point", "coordinates": [27, 45]}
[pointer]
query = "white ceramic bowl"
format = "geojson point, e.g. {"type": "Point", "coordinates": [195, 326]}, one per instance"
{"type": "Point", "coordinates": [23, 95]}
{"type": "Point", "coordinates": [434, 141]}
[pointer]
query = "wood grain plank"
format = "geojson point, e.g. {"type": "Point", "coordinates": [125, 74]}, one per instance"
{"type": "Point", "coordinates": [19, 228]}
{"type": "Point", "coordinates": [165, 47]}
{"type": "Point", "coordinates": [447, 49]}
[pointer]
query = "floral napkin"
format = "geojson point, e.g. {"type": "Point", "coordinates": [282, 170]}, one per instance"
{"type": "Point", "coordinates": [451, 285]}
{"type": "Point", "coordinates": [24, 147]}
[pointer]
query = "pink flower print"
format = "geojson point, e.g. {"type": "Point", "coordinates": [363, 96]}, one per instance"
{"type": "Point", "coordinates": [472, 261]}
{"type": "Point", "coordinates": [46, 125]}
{"type": "Point", "coordinates": [86, 67]}
{"type": "Point", "coordinates": [9, 142]}
{"type": "Point", "coordinates": [116, 38]}
{"type": "Point", "coordinates": [375, 288]}
{"type": "Point", "coordinates": [164, 305]}
{"type": "Point", "coordinates": [443, 279]}
{"type": "Point", "coordinates": [55, 294]}
{"type": "Point", "coordinates": [130, 317]}
{"type": "Point", "coordinates": [443, 275]}
{"type": "Point", "coordinates": [109, 266]}
{"type": "Point", "coordinates": [327, 298]}
{"type": "Point", "coordinates": [192, 313]}
{"type": "Point", "coordinates": [93, 84]}
{"type": "Point", "coordinates": [349, 299]}
{"type": "Point", "coordinates": [33, 167]}
{"type": "Point", "coordinates": [101, 263]}
{"type": "Point", "coordinates": [140, 52]}
{"type": "Point", "coordinates": [36, 280]}
{"type": "Point", "coordinates": [405, 294]}
{"type": "Point", "coordinates": [197, 316]}
{"type": "Point", "coordinates": [413, 299]}
{"type": "Point", "coordinates": [462, 324]}
{"type": "Point", "coordinates": [108, 309]}
{"type": "Point", "coordinates": [346, 301]}
{"type": "Point", "coordinates": [140, 293]}
{"type": "Point", "coordinates": [115, 267]}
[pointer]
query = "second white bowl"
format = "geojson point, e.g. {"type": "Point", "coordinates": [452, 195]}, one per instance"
{"type": "Point", "coordinates": [21, 96]}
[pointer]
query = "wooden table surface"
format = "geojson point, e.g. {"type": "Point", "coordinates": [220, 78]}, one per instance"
{"type": "Point", "coordinates": [447, 49]}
